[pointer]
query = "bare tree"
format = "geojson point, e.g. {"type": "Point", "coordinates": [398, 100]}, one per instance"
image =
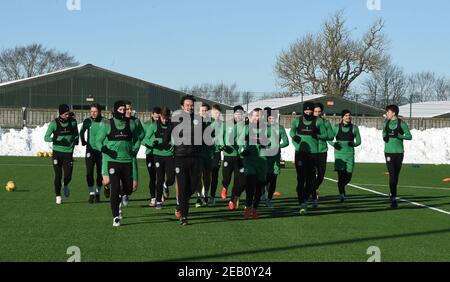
{"type": "Point", "coordinates": [388, 85]}
{"type": "Point", "coordinates": [281, 94]}
{"type": "Point", "coordinates": [202, 90]}
{"type": "Point", "coordinates": [330, 61]}
{"type": "Point", "coordinates": [371, 92]}
{"type": "Point", "coordinates": [221, 93]}
{"type": "Point", "coordinates": [442, 89]}
{"type": "Point", "coordinates": [247, 97]}
{"type": "Point", "coordinates": [422, 86]}
{"type": "Point", "coordinates": [27, 61]}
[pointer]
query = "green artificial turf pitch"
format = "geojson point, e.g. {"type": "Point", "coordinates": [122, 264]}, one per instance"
{"type": "Point", "coordinates": [34, 228]}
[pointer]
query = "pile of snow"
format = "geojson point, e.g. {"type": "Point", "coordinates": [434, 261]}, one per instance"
{"type": "Point", "coordinates": [431, 146]}
{"type": "Point", "coordinates": [28, 142]}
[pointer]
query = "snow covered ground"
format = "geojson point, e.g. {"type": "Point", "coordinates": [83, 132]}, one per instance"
{"type": "Point", "coordinates": [431, 146]}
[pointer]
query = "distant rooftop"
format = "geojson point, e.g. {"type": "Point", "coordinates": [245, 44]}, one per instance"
{"type": "Point", "coordinates": [426, 109]}
{"type": "Point", "coordinates": [275, 103]}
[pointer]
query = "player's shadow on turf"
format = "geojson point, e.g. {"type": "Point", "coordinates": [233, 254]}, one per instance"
{"type": "Point", "coordinates": [284, 207]}
{"type": "Point", "coordinates": [149, 222]}
{"type": "Point", "coordinates": [359, 203]}
{"type": "Point", "coordinates": [277, 249]}
{"type": "Point", "coordinates": [209, 217]}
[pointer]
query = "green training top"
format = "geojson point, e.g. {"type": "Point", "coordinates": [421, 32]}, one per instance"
{"type": "Point", "coordinates": [254, 148]}
{"type": "Point", "coordinates": [124, 150]}
{"type": "Point", "coordinates": [146, 127]}
{"type": "Point", "coordinates": [139, 128]}
{"type": "Point", "coordinates": [323, 146]}
{"type": "Point", "coordinates": [152, 135]}
{"type": "Point", "coordinates": [310, 139]}
{"type": "Point", "coordinates": [396, 136]}
{"type": "Point", "coordinates": [218, 135]}
{"type": "Point", "coordinates": [282, 142]}
{"type": "Point", "coordinates": [230, 139]}
{"type": "Point", "coordinates": [92, 127]}
{"type": "Point", "coordinates": [344, 146]}
{"type": "Point", "coordinates": [64, 139]}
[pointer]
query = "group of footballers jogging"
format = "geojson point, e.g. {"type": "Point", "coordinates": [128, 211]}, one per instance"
{"type": "Point", "coordinates": [186, 149]}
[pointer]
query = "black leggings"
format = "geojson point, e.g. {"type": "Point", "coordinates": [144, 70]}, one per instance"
{"type": "Point", "coordinates": [394, 166]}
{"type": "Point", "coordinates": [150, 161]}
{"type": "Point", "coordinates": [62, 162]}
{"type": "Point", "coordinates": [304, 165]}
{"type": "Point", "coordinates": [215, 173]}
{"type": "Point", "coordinates": [253, 189]}
{"type": "Point", "coordinates": [119, 173]}
{"type": "Point", "coordinates": [233, 165]}
{"type": "Point", "coordinates": [93, 158]}
{"type": "Point", "coordinates": [344, 178]}
{"type": "Point", "coordinates": [206, 176]}
{"type": "Point", "coordinates": [320, 169]}
{"type": "Point", "coordinates": [165, 172]}
{"type": "Point", "coordinates": [271, 184]}
{"type": "Point", "coordinates": [188, 174]}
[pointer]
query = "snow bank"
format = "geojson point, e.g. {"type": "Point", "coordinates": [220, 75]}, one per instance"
{"type": "Point", "coordinates": [431, 146]}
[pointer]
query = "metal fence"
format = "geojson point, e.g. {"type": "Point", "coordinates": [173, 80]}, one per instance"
{"type": "Point", "coordinates": [18, 118]}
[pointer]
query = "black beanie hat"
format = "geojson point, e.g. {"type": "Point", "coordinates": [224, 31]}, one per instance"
{"type": "Point", "coordinates": [157, 110]}
{"type": "Point", "coordinates": [308, 106]}
{"type": "Point", "coordinates": [237, 108]}
{"type": "Point", "coordinates": [344, 112]}
{"type": "Point", "coordinates": [63, 108]}
{"type": "Point", "coordinates": [119, 104]}
{"type": "Point", "coordinates": [268, 111]}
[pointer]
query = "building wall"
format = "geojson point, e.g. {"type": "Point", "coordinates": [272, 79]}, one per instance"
{"type": "Point", "coordinates": [74, 86]}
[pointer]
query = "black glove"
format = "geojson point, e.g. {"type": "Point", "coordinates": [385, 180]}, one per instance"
{"type": "Point", "coordinates": [227, 149]}
{"type": "Point", "coordinates": [337, 146]}
{"type": "Point", "coordinates": [155, 143]}
{"type": "Point", "coordinates": [297, 139]}
{"type": "Point", "coordinates": [77, 141]}
{"type": "Point", "coordinates": [351, 144]}
{"type": "Point", "coordinates": [111, 153]}
{"type": "Point", "coordinates": [83, 142]}
{"type": "Point", "coordinates": [148, 146]}
{"type": "Point", "coordinates": [167, 146]}
{"type": "Point", "coordinates": [386, 138]}
{"type": "Point", "coordinates": [54, 137]}
{"type": "Point", "coordinates": [245, 153]}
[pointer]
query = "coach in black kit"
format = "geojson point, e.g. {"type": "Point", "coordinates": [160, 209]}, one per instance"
{"type": "Point", "coordinates": [186, 132]}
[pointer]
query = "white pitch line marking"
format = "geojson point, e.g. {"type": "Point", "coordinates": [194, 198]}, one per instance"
{"type": "Point", "coordinates": [407, 186]}
{"type": "Point", "coordinates": [386, 195]}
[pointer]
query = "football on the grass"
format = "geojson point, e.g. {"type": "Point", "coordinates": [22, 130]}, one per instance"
{"type": "Point", "coordinates": [10, 186]}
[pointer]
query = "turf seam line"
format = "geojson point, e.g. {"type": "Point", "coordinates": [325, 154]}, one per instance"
{"type": "Point", "coordinates": [400, 199]}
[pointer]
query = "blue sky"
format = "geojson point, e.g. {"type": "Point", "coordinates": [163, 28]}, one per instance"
{"type": "Point", "coordinates": [179, 43]}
